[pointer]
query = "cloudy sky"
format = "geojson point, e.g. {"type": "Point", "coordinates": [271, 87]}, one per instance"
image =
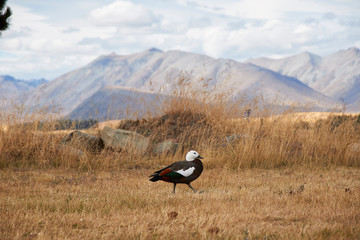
{"type": "Point", "coordinates": [50, 37]}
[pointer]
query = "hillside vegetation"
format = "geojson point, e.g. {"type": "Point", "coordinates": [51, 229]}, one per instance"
{"type": "Point", "coordinates": [196, 120]}
{"type": "Point", "coordinates": [266, 176]}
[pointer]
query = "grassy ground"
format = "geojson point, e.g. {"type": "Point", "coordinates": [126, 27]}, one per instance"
{"type": "Point", "coordinates": [290, 176]}
{"type": "Point", "coordinates": [247, 204]}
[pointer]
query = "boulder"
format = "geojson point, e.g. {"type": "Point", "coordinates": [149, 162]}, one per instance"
{"type": "Point", "coordinates": [83, 141]}
{"type": "Point", "coordinates": [119, 139]}
{"type": "Point", "coordinates": [168, 146]}
{"type": "Point", "coordinates": [71, 151]}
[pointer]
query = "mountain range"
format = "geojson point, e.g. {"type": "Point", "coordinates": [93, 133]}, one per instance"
{"type": "Point", "coordinates": [102, 88]}
{"type": "Point", "coordinates": [336, 75]}
{"type": "Point", "coordinates": [117, 103]}
{"type": "Point", "coordinates": [15, 90]}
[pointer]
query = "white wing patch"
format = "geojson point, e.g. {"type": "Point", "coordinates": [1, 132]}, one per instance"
{"type": "Point", "coordinates": [186, 172]}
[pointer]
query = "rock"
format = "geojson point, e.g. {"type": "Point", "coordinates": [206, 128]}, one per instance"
{"type": "Point", "coordinates": [167, 146]}
{"type": "Point", "coordinates": [119, 139]}
{"type": "Point", "coordinates": [70, 151]}
{"type": "Point", "coordinates": [83, 141]}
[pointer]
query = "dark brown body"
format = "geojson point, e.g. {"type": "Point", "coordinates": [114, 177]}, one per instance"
{"type": "Point", "coordinates": [176, 172]}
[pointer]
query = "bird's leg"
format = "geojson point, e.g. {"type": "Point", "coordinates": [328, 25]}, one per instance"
{"type": "Point", "coordinates": [174, 187]}
{"type": "Point", "coordinates": [191, 187]}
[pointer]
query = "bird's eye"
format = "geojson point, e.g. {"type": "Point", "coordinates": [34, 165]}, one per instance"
{"type": "Point", "coordinates": [194, 153]}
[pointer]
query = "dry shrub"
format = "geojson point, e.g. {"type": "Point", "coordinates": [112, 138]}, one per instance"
{"type": "Point", "coordinates": [28, 139]}
{"type": "Point", "coordinates": [187, 128]}
{"type": "Point", "coordinates": [340, 124]}
{"type": "Point", "coordinates": [276, 142]}
{"type": "Point", "coordinates": [20, 145]}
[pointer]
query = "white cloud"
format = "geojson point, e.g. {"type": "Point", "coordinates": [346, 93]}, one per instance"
{"type": "Point", "coordinates": [38, 46]}
{"type": "Point", "coordinates": [274, 9]}
{"type": "Point", "coordinates": [43, 45]}
{"type": "Point", "coordinates": [123, 13]}
{"type": "Point", "coordinates": [272, 37]}
{"type": "Point", "coordinates": [71, 30]}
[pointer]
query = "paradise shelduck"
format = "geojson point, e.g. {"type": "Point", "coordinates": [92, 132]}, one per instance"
{"type": "Point", "coordinates": [181, 171]}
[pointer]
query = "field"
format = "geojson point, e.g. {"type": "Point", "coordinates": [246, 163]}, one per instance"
{"type": "Point", "coordinates": [244, 204]}
{"type": "Point", "coordinates": [269, 176]}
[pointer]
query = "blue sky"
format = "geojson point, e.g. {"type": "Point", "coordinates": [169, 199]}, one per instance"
{"type": "Point", "coordinates": [49, 38]}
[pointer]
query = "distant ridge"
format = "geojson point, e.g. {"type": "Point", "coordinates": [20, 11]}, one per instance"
{"type": "Point", "coordinates": [14, 90]}
{"type": "Point", "coordinates": [336, 75]}
{"type": "Point", "coordinates": [117, 103]}
{"type": "Point", "coordinates": [155, 70]}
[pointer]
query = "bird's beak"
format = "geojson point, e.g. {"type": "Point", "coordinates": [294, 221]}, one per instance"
{"type": "Point", "coordinates": [200, 157]}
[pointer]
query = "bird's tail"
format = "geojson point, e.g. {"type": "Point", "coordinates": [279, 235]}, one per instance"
{"type": "Point", "coordinates": [155, 177]}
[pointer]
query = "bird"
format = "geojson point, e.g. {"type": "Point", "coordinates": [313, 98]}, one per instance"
{"type": "Point", "coordinates": [181, 171]}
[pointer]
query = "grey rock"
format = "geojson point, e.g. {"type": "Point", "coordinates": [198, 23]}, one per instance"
{"type": "Point", "coordinates": [168, 146]}
{"type": "Point", "coordinates": [119, 139]}
{"type": "Point", "coordinates": [83, 141]}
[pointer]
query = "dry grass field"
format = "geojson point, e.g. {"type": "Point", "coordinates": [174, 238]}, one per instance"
{"type": "Point", "coordinates": [289, 176]}
{"type": "Point", "coordinates": [245, 204]}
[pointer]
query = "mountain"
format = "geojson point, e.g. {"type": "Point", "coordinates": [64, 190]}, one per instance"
{"type": "Point", "coordinates": [12, 89]}
{"type": "Point", "coordinates": [156, 71]}
{"type": "Point", "coordinates": [336, 75]}
{"type": "Point", "coordinates": [117, 103]}
{"type": "Point", "coordinates": [300, 66]}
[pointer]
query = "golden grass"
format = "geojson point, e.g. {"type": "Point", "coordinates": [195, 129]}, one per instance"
{"type": "Point", "coordinates": [109, 123]}
{"type": "Point", "coordinates": [260, 143]}
{"type": "Point", "coordinates": [246, 204]}
{"type": "Point", "coordinates": [289, 176]}
{"type": "Point", "coordinates": [312, 117]}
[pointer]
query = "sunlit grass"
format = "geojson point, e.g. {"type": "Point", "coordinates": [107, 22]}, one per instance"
{"type": "Point", "coordinates": [289, 203]}
{"type": "Point", "coordinates": [269, 176]}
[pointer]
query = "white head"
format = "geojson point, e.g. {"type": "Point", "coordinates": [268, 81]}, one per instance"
{"type": "Point", "coordinates": [192, 155]}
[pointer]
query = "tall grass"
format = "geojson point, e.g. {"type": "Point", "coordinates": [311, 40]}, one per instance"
{"type": "Point", "coordinates": [113, 198]}
{"type": "Point", "coordinates": [197, 116]}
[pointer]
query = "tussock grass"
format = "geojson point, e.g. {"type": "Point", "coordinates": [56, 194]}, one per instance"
{"type": "Point", "coordinates": [268, 176]}
{"type": "Point", "coordinates": [205, 120]}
